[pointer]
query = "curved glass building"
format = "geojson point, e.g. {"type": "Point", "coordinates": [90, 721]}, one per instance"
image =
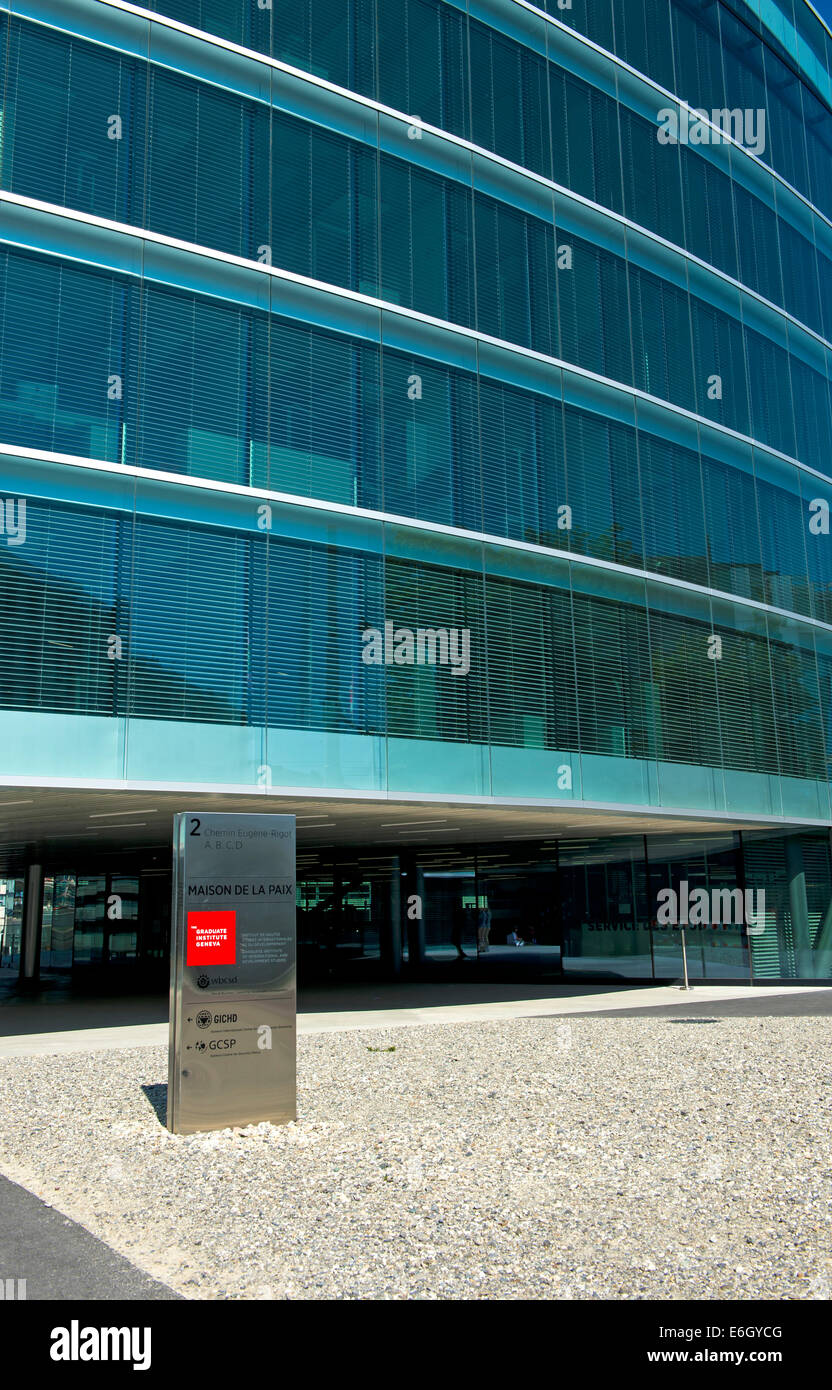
{"type": "Point", "coordinates": [417, 415]}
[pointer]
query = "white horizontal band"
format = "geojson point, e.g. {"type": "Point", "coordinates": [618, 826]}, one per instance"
{"type": "Point", "coordinates": [383, 306]}
{"type": "Point", "coordinates": [530, 174]}
{"type": "Point", "coordinates": [486, 538]}
{"type": "Point", "coordinates": [276, 63]}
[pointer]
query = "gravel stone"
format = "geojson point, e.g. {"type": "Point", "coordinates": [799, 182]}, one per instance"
{"type": "Point", "coordinates": [603, 1158]}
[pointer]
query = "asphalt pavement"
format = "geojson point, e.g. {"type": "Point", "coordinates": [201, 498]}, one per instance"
{"type": "Point", "coordinates": [59, 1259]}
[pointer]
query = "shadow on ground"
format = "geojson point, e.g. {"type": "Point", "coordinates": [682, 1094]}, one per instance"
{"type": "Point", "coordinates": [58, 1006]}
{"type": "Point", "coordinates": [158, 1097]}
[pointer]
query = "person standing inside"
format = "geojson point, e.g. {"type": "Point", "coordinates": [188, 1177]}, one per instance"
{"type": "Point", "coordinates": [484, 929]}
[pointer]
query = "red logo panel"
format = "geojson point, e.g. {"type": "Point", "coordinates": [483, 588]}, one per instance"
{"type": "Point", "coordinates": [212, 938]}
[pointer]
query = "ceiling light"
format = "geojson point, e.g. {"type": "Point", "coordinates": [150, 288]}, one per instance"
{"type": "Point", "coordinates": [445, 828]}
{"type": "Point", "coordinates": [122, 825]}
{"type": "Point", "coordinates": [527, 835]}
{"type": "Point", "coordinates": [393, 824]}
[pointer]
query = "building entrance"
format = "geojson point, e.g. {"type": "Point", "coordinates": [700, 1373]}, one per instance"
{"type": "Point", "coordinates": [568, 909]}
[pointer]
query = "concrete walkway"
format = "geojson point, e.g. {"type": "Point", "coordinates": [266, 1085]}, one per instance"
{"type": "Point", "coordinates": [392, 1008]}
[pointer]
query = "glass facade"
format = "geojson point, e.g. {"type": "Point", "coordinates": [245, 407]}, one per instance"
{"type": "Point", "coordinates": [558, 910]}
{"type": "Point", "coordinates": [398, 317]}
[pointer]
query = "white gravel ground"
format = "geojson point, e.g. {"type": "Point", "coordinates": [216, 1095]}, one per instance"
{"type": "Point", "coordinates": [596, 1158]}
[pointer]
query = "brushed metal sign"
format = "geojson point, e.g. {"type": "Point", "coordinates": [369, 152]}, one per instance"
{"type": "Point", "coordinates": [231, 1055]}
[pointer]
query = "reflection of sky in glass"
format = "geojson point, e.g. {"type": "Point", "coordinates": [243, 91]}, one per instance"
{"type": "Point", "coordinates": [824, 9]}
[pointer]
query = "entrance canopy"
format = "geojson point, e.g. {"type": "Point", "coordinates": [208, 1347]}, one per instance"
{"type": "Point", "coordinates": [49, 825]}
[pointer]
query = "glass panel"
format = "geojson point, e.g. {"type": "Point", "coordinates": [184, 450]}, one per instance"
{"type": "Point", "coordinates": [518, 917]}
{"type": "Point", "coordinates": [58, 922]}
{"type": "Point", "coordinates": [122, 910]}
{"type": "Point", "coordinates": [794, 872]}
{"type": "Point", "coordinates": [11, 923]}
{"type": "Point", "coordinates": [453, 925]}
{"type": "Point", "coordinates": [90, 919]}
{"type": "Point", "coordinates": [606, 913]}
{"type": "Point", "coordinates": [698, 878]}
